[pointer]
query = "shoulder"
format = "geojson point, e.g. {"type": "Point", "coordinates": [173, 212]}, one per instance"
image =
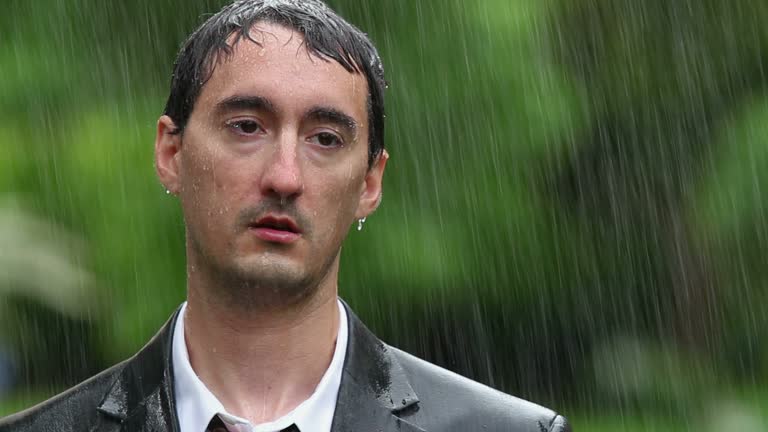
{"type": "Point", "coordinates": [448, 402]}
{"type": "Point", "coordinates": [72, 410]}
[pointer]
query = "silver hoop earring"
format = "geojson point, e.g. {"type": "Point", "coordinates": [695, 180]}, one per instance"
{"type": "Point", "coordinates": [360, 223]}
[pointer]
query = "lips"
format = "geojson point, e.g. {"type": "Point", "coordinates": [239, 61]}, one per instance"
{"type": "Point", "coordinates": [275, 229]}
{"type": "Point", "coordinates": [277, 223]}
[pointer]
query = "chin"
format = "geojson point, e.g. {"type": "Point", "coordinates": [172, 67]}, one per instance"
{"type": "Point", "coordinates": [269, 267]}
{"type": "Point", "coordinates": [256, 283]}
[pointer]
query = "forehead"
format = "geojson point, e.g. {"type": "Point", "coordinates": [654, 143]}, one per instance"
{"type": "Point", "coordinates": [277, 65]}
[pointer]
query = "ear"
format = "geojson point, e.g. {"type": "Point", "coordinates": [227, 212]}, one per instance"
{"type": "Point", "coordinates": [167, 154]}
{"type": "Point", "coordinates": [370, 197]}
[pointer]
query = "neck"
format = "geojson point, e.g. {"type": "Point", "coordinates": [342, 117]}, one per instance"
{"type": "Point", "coordinates": [261, 364]}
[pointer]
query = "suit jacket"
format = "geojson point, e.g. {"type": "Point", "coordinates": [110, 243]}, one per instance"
{"type": "Point", "coordinates": [382, 390]}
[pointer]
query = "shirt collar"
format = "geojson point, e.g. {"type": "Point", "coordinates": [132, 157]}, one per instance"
{"type": "Point", "coordinates": [196, 405]}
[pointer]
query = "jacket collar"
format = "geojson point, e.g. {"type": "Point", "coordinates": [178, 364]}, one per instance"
{"type": "Point", "coordinates": [374, 388]}
{"type": "Point", "coordinates": [141, 398]}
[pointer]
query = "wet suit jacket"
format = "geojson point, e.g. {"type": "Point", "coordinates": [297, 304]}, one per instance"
{"type": "Point", "coordinates": [382, 389]}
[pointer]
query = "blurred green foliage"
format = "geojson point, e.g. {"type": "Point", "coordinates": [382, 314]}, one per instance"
{"type": "Point", "coordinates": [566, 178]}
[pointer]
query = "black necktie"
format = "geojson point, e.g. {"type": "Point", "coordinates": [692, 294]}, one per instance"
{"type": "Point", "coordinates": [217, 425]}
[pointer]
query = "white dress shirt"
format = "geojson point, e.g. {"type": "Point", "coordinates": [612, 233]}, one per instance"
{"type": "Point", "coordinates": [196, 405]}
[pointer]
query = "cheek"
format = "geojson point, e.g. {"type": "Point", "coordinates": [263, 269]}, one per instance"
{"type": "Point", "coordinates": [204, 171]}
{"type": "Point", "coordinates": [342, 195]}
{"type": "Point", "coordinates": [204, 183]}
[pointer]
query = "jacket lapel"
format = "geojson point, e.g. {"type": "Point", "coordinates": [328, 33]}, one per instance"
{"type": "Point", "coordinates": [374, 390]}
{"type": "Point", "coordinates": [141, 398]}
{"type": "Point", "coordinates": [374, 394]}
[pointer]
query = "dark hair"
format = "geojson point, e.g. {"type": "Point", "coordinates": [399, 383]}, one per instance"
{"type": "Point", "coordinates": [326, 35]}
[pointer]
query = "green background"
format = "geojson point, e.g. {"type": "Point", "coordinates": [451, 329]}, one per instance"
{"type": "Point", "coordinates": [573, 212]}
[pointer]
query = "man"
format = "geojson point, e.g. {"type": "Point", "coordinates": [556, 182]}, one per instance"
{"type": "Point", "coordinates": [272, 138]}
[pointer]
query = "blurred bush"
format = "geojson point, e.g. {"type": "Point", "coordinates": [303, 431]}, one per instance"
{"type": "Point", "coordinates": [48, 301]}
{"type": "Point", "coordinates": [565, 177]}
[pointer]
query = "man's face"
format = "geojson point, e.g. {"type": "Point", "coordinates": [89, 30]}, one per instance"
{"type": "Point", "coordinates": [272, 167]}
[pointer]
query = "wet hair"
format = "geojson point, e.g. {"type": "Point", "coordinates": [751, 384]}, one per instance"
{"type": "Point", "coordinates": [325, 33]}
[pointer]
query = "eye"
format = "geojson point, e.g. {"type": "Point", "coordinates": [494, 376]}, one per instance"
{"type": "Point", "coordinates": [244, 126]}
{"type": "Point", "coordinates": [327, 139]}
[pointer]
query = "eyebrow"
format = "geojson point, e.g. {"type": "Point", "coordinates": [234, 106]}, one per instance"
{"type": "Point", "coordinates": [333, 116]}
{"type": "Point", "coordinates": [238, 102]}
{"type": "Point", "coordinates": [260, 103]}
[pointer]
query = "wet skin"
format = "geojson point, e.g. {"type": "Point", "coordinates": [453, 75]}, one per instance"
{"type": "Point", "coordinates": [272, 167]}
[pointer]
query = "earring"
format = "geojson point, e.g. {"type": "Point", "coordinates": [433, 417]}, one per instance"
{"type": "Point", "coordinates": [360, 223]}
{"type": "Point", "coordinates": [167, 192]}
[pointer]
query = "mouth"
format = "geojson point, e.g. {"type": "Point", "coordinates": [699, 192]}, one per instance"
{"type": "Point", "coordinates": [274, 229]}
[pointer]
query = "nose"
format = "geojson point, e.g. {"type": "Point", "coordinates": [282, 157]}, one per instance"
{"type": "Point", "coordinates": [282, 177]}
